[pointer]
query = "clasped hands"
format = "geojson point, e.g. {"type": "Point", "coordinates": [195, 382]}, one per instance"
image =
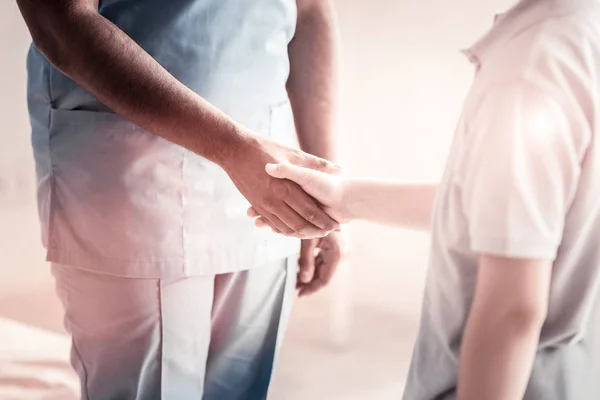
{"type": "Point", "coordinates": [325, 185]}
{"type": "Point", "coordinates": [297, 195]}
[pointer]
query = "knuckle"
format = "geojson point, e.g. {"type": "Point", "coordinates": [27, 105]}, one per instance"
{"type": "Point", "coordinates": [300, 228]}
{"type": "Point", "coordinates": [310, 215]}
{"type": "Point", "coordinates": [282, 190]}
{"type": "Point", "coordinates": [328, 226]}
{"type": "Point", "coordinates": [268, 202]}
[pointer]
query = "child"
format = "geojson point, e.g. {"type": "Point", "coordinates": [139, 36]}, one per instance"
{"type": "Point", "coordinates": [511, 307]}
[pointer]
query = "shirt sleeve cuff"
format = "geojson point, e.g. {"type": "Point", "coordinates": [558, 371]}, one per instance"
{"type": "Point", "coordinates": [510, 248]}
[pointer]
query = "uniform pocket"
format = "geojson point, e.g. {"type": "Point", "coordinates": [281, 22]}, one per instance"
{"type": "Point", "coordinates": [116, 188]}
{"type": "Point", "coordinates": [106, 151]}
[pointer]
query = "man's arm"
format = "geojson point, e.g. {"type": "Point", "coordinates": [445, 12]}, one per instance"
{"type": "Point", "coordinates": [503, 329]}
{"type": "Point", "coordinates": [314, 77]}
{"type": "Point", "coordinates": [102, 59]}
{"type": "Point", "coordinates": [312, 88]}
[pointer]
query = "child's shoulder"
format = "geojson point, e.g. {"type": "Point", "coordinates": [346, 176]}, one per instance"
{"type": "Point", "coordinates": [554, 53]}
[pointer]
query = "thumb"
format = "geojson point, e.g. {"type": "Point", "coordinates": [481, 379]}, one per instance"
{"type": "Point", "coordinates": [321, 164]}
{"type": "Point", "coordinates": [325, 188]}
{"type": "Point", "coordinates": [302, 176]}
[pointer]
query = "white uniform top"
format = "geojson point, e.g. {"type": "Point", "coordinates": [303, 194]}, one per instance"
{"type": "Point", "coordinates": [119, 200]}
{"type": "Point", "coordinates": [523, 181]}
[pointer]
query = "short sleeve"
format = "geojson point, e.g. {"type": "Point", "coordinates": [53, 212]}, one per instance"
{"type": "Point", "coordinates": [519, 173]}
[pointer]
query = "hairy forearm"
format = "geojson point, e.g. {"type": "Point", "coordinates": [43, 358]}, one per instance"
{"type": "Point", "coordinates": [313, 82]}
{"type": "Point", "coordinates": [389, 202]}
{"type": "Point", "coordinates": [497, 356]}
{"type": "Point", "coordinates": [102, 59]}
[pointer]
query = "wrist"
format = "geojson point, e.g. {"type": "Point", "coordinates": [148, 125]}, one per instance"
{"type": "Point", "coordinates": [349, 209]}
{"type": "Point", "coordinates": [234, 147]}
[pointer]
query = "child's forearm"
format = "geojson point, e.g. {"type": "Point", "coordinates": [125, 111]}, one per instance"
{"type": "Point", "coordinates": [390, 202]}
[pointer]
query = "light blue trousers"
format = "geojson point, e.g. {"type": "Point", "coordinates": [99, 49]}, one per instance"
{"type": "Point", "coordinates": [205, 337]}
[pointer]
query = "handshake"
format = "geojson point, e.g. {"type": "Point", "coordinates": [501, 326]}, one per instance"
{"type": "Point", "coordinates": [297, 194]}
{"type": "Point", "coordinates": [326, 188]}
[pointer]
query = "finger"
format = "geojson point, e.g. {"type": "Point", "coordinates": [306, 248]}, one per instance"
{"type": "Point", "coordinates": [307, 233]}
{"type": "Point", "coordinates": [275, 223]}
{"type": "Point", "coordinates": [260, 222]}
{"type": "Point", "coordinates": [306, 262]}
{"type": "Point", "coordinates": [311, 288]}
{"type": "Point", "coordinates": [301, 227]}
{"type": "Point", "coordinates": [302, 176]}
{"type": "Point", "coordinates": [297, 226]}
{"type": "Point", "coordinates": [320, 164]}
{"type": "Point", "coordinates": [319, 185]}
{"type": "Point", "coordinates": [306, 207]}
{"type": "Point", "coordinates": [326, 265]}
{"type": "Point", "coordinates": [289, 223]}
{"type": "Point", "coordinates": [316, 283]}
{"type": "Point", "coordinates": [329, 260]}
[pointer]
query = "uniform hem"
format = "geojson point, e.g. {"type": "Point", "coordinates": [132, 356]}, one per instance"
{"type": "Point", "coordinates": [165, 268]}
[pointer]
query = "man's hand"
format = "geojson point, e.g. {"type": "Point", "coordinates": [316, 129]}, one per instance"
{"type": "Point", "coordinates": [319, 260]}
{"type": "Point", "coordinates": [282, 204]}
{"type": "Point", "coordinates": [326, 188]}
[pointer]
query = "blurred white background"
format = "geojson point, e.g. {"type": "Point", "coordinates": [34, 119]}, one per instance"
{"type": "Point", "coordinates": [404, 81]}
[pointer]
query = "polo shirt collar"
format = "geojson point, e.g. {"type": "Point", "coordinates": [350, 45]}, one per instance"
{"type": "Point", "coordinates": [523, 15]}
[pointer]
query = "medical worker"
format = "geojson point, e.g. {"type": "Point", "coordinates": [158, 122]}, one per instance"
{"type": "Point", "coordinates": [152, 122]}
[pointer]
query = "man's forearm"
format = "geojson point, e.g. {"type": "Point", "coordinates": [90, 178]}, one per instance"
{"type": "Point", "coordinates": [313, 82]}
{"type": "Point", "coordinates": [109, 64]}
{"type": "Point", "coordinates": [389, 202]}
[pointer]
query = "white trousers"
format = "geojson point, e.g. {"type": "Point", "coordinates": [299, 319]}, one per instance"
{"type": "Point", "coordinates": [204, 337]}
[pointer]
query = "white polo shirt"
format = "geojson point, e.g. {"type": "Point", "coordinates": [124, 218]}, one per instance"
{"type": "Point", "coordinates": [523, 181]}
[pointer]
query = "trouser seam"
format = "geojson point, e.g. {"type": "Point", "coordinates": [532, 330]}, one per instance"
{"type": "Point", "coordinates": [84, 385]}
{"type": "Point", "coordinates": [284, 314]}
{"type": "Point", "coordinates": [162, 335]}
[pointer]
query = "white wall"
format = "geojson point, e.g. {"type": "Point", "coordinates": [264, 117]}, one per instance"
{"type": "Point", "coordinates": [404, 83]}
{"type": "Point", "coordinates": [405, 80]}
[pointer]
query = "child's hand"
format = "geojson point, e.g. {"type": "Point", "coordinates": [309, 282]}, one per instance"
{"type": "Point", "coordinates": [327, 189]}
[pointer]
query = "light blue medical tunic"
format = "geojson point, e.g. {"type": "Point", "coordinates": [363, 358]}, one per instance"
{"type": "Point", "coordinates": [116, 199]}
